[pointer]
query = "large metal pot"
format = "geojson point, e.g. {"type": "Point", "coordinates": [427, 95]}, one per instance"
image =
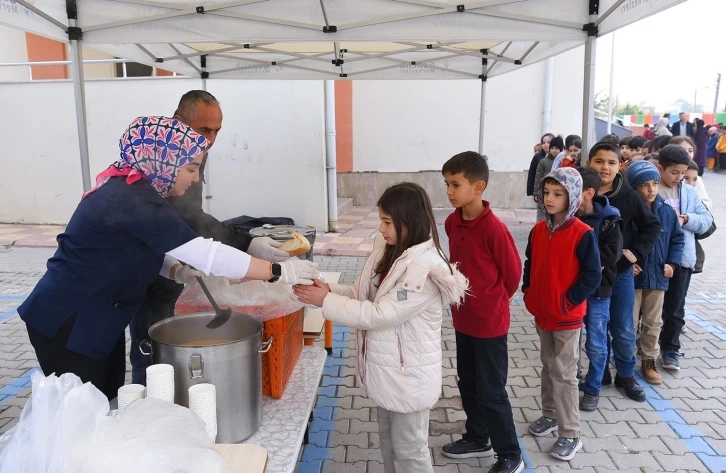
{"type": "Point", "coordinates": [284, 233]}
{"type": "Point", "coordinates": [232, 364]}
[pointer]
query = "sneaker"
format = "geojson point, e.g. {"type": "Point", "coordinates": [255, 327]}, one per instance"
{"type": "Point", "coordinates": [543, 426]}
{"type": "Point", "coordinates": [565, 448]}
{"type": "Point", "coordinates": [467, 448]}
{"type": "Point", "coordinates": [507, 465]}
{"type": "Point", "coordinates": [589, 401]}
{"type": "Point", "coordinates": [650, 372]}
{"type": "Point", "coordinates": [670, 361]}
{"type": "Point", "coordinates": [631, 388]}
{"type": "Point", "coordinates": [607, 378]}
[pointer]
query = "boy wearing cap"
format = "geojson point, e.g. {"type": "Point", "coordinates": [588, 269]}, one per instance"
{"type": "Point", "coordinates": [557, 145]}
{"type": "Point", "coordinates": [654, 272]}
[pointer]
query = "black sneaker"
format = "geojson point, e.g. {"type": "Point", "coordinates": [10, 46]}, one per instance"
{"type": "Point", "coordinates": [670, 361]}
{"type": "Point", "coordinates": [467, 448]}
{"type": "Point", "coordinates": [507, 465]}
{"type": "Point", "coordinates": [607, 378]}
{"type": "Point", "coordinates": [543, 426]}
{"type": "Point", "coordinates": [631, 388]}
{"type": "Point", "coordinates": [589, 401]}
{"type": "Point", "coordinates": [566, 448]}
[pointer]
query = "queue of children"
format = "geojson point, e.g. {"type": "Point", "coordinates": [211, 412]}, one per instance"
{"type": "Point", "coordinates": [625, 246]}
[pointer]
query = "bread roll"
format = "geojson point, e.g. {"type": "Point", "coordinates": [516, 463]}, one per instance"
{"type": "Point", "coordinates": [297, 246]}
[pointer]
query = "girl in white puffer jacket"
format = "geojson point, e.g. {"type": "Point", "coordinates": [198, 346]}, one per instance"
{"type": "Point", "coordinates": [396, 306]}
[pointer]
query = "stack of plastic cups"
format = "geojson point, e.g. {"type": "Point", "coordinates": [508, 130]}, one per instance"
{"type": "Point", "coordinates": [160, 382]}
{"type": "Point", "coordinates": [129, 393]}
{"type": "Point", "coordinates": [203, 402]}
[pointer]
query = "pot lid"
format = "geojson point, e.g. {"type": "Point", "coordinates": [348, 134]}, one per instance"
{"type": "Point", "coordinates": [281, 232]}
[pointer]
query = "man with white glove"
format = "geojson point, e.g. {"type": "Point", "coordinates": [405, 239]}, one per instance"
{"type": "Point", "coordinates": [267, 249]}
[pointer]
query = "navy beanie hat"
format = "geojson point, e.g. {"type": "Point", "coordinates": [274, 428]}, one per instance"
{"type": "Point", "coordinates": [640, 172]}
{"type": "Point", "coordinates": [558, 143]}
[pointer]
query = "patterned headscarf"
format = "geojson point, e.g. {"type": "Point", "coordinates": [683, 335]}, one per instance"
{"type": "Point", "coordinates": [155, 148]}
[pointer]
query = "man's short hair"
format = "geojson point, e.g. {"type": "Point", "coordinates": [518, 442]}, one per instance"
{"type": "Point", "coordinates": [190, 101]}
{"type": "Point", "coordinates": [471, 164]}
{"type": "Point", "coordinates": [625, 140]}
{"type": "Point", "coordinates": [673, 155]}
{"type": "Point", "coordinates": [590, 178]}
{"type": "Point", "coordinates": [605, 146]}
{"type": "Point", "coordinates": [637, 142]}
{"type": "Point", "coordinates": [660, 142]}
{"type": "Point", "coordinates": [611, 138]}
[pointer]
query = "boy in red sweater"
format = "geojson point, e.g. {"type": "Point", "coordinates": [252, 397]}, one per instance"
{"type": "Point", "coordinates": [561, 271]}
{"type": "Point", "coordinates": [484, 250]}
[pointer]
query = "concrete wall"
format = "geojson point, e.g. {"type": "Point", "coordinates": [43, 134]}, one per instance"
{"type": "Point", "coordinates": [505, 190]}
{"type": "Point", "coordinates": [12, 49]}
{"type": "Point", "coordinates": [268, 159]}
{"type": "Point", "coordinates": [409, 126]}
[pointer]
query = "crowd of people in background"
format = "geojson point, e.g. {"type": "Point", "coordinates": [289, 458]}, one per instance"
{"type": "Point", "coordinates": [625, 223]}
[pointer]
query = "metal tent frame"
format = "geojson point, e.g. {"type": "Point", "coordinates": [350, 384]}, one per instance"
{"type": "Point", "coordinates": [290, 39]}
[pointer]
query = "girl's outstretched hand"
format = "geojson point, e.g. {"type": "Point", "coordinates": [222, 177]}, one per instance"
{"type": "Point", "coordinates": [312, 295]}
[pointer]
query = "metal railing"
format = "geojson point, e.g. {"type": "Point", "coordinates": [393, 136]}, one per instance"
{"type": "Point", "coordinates": [31, 64]}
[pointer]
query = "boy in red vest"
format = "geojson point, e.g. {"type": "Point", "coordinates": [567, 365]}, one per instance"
{"type": "Point", "coordinates": [561, 271]}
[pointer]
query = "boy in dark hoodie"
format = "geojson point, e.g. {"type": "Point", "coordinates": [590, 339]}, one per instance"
{"type": "Point", "coordinates": [561, 271]}
{"type": "Point", "coordinates": [655, 272]}
{"type": "Point", "coordinates": [640, 232]}
{"type": "Point", "coordinates": [605, 221]}
{"type": "Point", "coordinates": [557, 145]}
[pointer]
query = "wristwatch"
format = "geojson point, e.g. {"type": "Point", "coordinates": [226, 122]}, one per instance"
{"type": "Point", "coordinates": [276, 272]}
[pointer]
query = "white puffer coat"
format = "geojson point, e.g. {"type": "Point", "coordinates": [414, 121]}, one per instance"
{"type": "Point", "coordinates": [399, 325]}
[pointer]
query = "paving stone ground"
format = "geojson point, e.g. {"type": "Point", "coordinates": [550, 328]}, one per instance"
{"type": "Point", "coordinates": [682, 426]}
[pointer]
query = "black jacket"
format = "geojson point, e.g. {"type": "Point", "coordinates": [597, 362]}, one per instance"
{"type": "Point", "coordinates": [676, 129]}
{"type": "Point", "coordinates": [533, 171]}
{"type": "Point", "coordinates": [636, 217]}
{"type": "Point", "coordinates": [608, 227]}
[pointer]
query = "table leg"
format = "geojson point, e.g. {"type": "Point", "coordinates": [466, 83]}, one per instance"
{"type": "Point", "coordinates": [329, 336]}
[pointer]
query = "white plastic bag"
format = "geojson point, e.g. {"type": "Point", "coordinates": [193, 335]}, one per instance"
{"type": "Point", "coordinates": [65, 428]}
{"type": "Point", "coordinates": [151, 435]}
{"type": "Point", "coordinates": [29, 446]}
{"type": "Point", "coordinates": [261, 300]}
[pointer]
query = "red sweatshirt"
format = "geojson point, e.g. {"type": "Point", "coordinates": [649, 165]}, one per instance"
{"type": "Point", "coordinates": [487, 255]}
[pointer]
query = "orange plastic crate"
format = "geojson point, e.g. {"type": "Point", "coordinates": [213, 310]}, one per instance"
{"type": "Point", "coordinates": [278, 363]}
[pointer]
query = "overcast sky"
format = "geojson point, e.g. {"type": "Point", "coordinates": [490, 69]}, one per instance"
{"type": "Point", "coordinates": [668, 57]}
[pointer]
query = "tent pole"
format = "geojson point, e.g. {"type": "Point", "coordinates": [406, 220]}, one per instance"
{"type": "Point", "coordinates": [482, 114]}
{"type": "Point", "coordinates": [611, 99]}
{"type": "Point", "coordinates": [331, 156]}
{"type": "Point", "coordinates": [588, 100]}
{"type": "Point", "coordinates": [207, 179]}
{"type": "Point", "coordinates": [547, 108]}
{"type": "Point", "coordinates": [483, 99]}
{"type": "Point", "coordinates": [76, 47]}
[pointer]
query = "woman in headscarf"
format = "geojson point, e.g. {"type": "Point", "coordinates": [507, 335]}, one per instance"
{"type": "Point", "coordinates": [121, 236]}
{"type": "Point", "coordinates": [700, 137]}
{"type": "Point", "coordinates": [661, 129]}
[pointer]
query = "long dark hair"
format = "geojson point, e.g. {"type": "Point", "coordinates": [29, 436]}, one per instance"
{"type": "Point", "coordinates": [409, 206]}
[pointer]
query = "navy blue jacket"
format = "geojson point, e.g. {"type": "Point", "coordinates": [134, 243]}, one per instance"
{"type": "Point", "coordinates": [111, 251]}
{"type": "Point", "coordinates": [668, 249]}
{"type": "Point", "coordinates": [605, 221]}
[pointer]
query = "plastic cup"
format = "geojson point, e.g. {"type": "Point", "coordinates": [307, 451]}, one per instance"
{"type": "Point", "coordinates": [129, 393]}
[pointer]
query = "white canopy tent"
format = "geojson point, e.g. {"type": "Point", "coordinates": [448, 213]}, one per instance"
{"type": "Point", "coordinates": [330, 39]}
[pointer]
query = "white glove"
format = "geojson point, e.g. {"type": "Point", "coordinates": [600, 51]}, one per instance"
{"type": "Point", "coordinates": [186, 274]}
{"type": "Point", "coordinates": [267, 249]}
{"type": "Point", "coordinates": [298, 271]}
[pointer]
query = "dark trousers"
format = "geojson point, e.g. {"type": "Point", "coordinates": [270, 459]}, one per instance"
{"type": "Point", "coordinates": [107, 375]}
{"type": "Point", "coordinates": [674, 310]}
{"type": "Point", "coordinates": [482, 365]}
{"type": "Point", "coordinates": [158, 305]}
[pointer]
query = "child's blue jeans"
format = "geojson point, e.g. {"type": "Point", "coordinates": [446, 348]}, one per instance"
{"type": "Point", "coordinates": [596, 343]}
